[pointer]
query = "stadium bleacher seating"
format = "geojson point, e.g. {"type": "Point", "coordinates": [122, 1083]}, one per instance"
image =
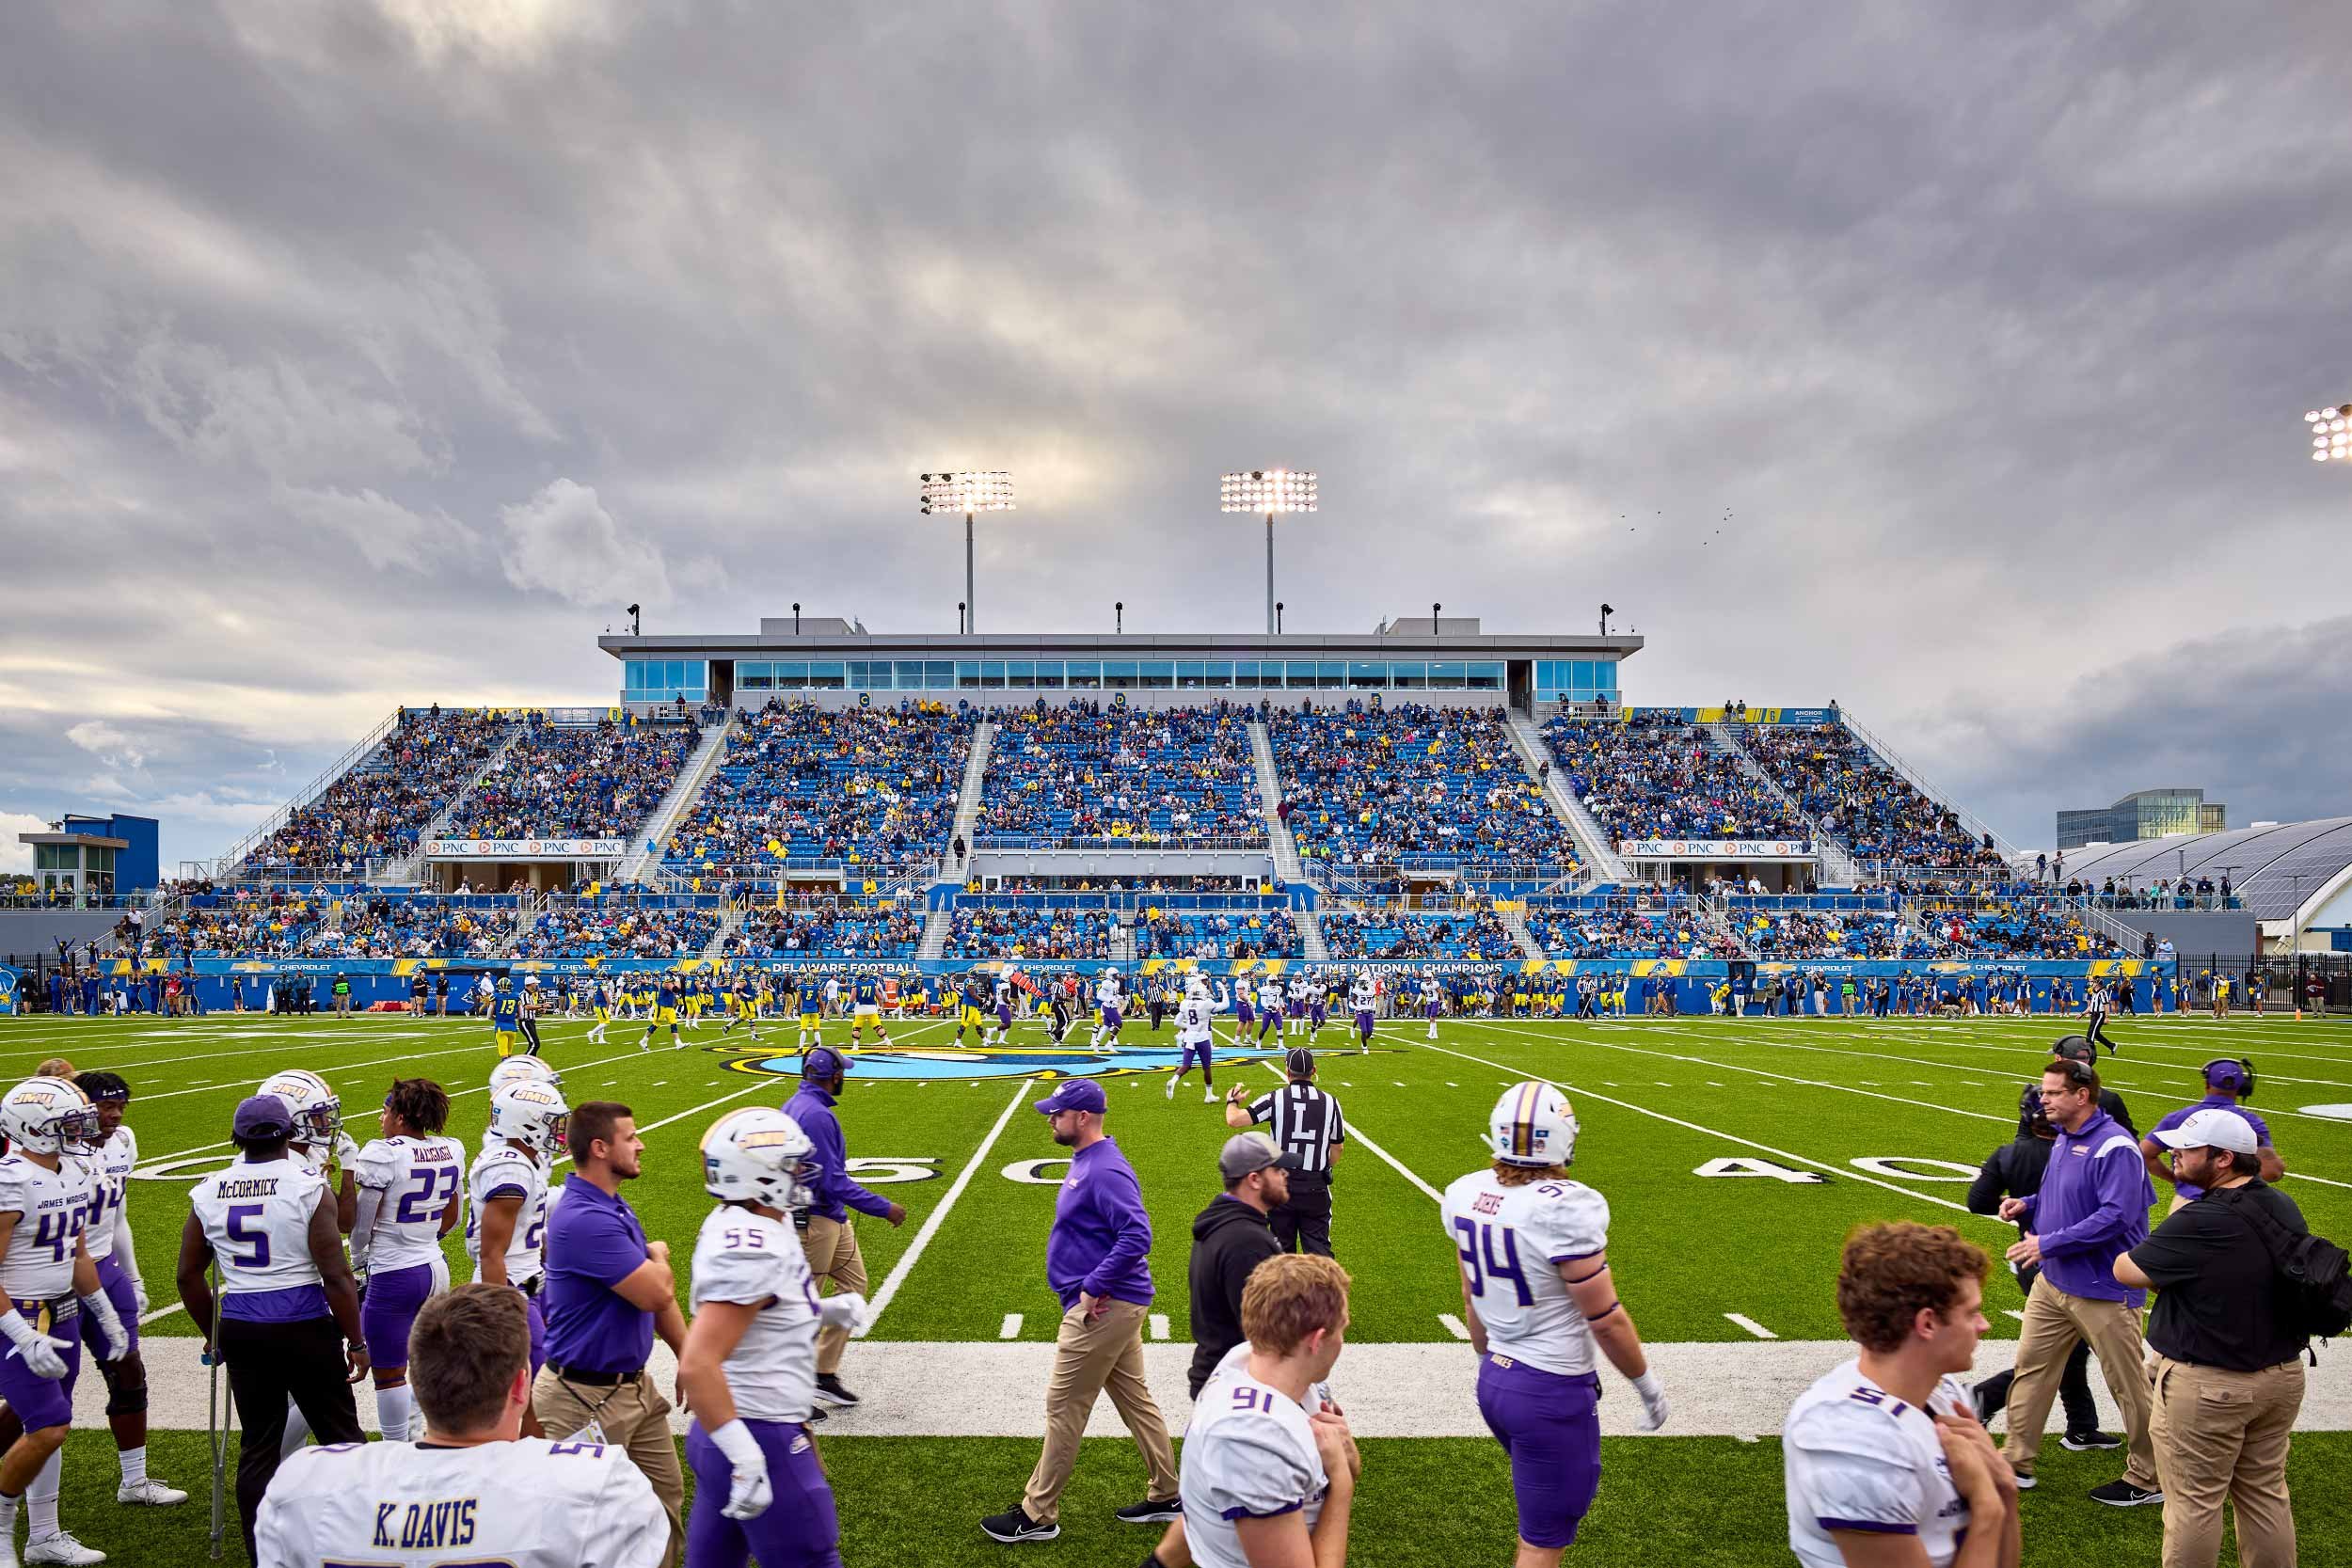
{"type": "Point", "coordinates": [1085, 769]}
{"type": "Point", "coordinates": [1865, 803]}
{"type": "Point", "coordinates": [1668, 927]}
{"type": "Point", "coordinates": [1384, 932]}
{"type": "Point", "coordinates": [581, 781]}
{"type": "Point", "coordinates": [237, 923]}
{"type": "Point", "coordinates": [414, 926]}
{"type": "Point", "coordinates": [626, 926]}
{"type": "Point", "coordinates": [833, 929]}
{"type": "Point", "coordinates": [872, 788]}
{"type": "Point", "coordinates": [1652, 776]}
{"type": "Point", "coordinates": [1411, 784]}
{"type": "Point", "coordinates": [1030, 931]}
{"type": "Point", "coordinates": [379, 807]}
{"type": "Point", "coordinates": [1268, 932]}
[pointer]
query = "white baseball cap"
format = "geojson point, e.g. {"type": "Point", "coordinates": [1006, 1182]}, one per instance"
{"type": "Point", "coordinates": [2211, 1127]}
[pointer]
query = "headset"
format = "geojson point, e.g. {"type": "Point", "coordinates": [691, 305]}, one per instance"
{"type": "Point", "coordinates": [2232, 1074]}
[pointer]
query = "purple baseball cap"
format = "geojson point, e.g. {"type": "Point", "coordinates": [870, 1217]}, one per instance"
{"type": "Point", "coordinates": [261, 1120]}
{"type": "Point", "coordinates": [824, 1062]}
{"type": "Point", "coordinates": [1075, 1094]}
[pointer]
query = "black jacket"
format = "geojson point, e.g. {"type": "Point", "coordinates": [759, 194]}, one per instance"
{"type": "Point", "coordinates": [1229, 1239]}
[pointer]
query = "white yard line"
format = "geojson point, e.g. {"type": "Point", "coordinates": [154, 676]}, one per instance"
{"type": "Point", "coordinates": [1454, 1325]}
{"type": "Point", "coordinates": [1845, 1172]}
{"type": "Point", "coordinates": [1159, 1325]}
{"type": "Point", "coordinates": [1011, 1327]}
{"type": "Point", "coordinates": [1751, 1325]}
{"type": "Point", "coordinates": [932, 1221]}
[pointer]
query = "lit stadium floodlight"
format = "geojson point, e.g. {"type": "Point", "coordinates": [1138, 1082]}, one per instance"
{"type": "Point", "coordinates": [1269, 490]}
{"type": "Point", "coordinates": [2331, 434]}
{"type": "Point", "coordinates": [945, 494]}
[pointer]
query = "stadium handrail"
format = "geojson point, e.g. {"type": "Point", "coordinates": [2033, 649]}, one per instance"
{"type": "Point", "coordinates": [236, 853]}
{"type": "Point", "coordinates": [1144, 839]}
{"type": "Point", "coordinates": [1917, 781]}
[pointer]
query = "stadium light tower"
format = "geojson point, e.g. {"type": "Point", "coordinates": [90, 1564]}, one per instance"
{"type": "Point", "coordinates": [1269, 490]}
{"type": "Point", "coordinates": [2331, 434]}
{"type": "Point", "coordinates": [945, 494]}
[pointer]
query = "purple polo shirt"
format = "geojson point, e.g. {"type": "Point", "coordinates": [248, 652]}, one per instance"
{"type": "Point", "coordinates": [2093, 1204]}
{"type": "Point", "coordinates": [1101, 1237]}
{"type": "Point", "coordinates": [2190, 1190]}
{"type": "Point", "coordinates": [593, 1243]}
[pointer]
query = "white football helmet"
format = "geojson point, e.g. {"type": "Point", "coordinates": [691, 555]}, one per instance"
{"type": "Point", "coordinates": [318, 1111]}
{"type": "Point", "coordinates": [49, 1116]}
{"type": "Point", "coordinates": [532, 1113]}
{"type": "Point", "coordinates": [758, 1154]}
{"type": "Point", "coordinates": [1533, 1125]}
{"type": "Point", "coordinates": [522, 1069]}
{"type": "Point", "coordinates": [1196, 988]}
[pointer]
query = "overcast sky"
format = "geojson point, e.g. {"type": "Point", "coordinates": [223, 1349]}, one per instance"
{"type": "Point", "coordinates": [1947, 361]}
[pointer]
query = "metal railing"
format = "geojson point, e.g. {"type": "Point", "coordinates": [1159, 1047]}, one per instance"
{"type": "Point", "coordinates": [236, 852]}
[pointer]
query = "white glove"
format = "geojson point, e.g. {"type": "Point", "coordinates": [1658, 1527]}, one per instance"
{"type": "Point", "coordinates": [346, 1150]}
{"type": "Point", "coordinates": [846, 1310]}
{"type": "Point", "coordinates": [138, 1295]}
{"type": "Point", "coordinates": [1653, 1401]}
{"type": "Point", "coordinates": [117, 1344]}
{"type": "Point", "coordinates": [748, 1490]}
{"type": "Point", "coordinates": [40, 1352]}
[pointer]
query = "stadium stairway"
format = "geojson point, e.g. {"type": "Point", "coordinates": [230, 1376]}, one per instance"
{"type": "Point", "coordinates": [403, 872]}
{"type": "Point", "coordinates": [1279, 838]}
{"type": "Point", "coordinates": [967, 813]}
{"type": "Point", "coordinates": [938, 925]}
{"type": "Point", "coordinates": [690, 779]}
{"type": "Point", "coordinates": [730, 922]}
{"type": "Point", "coordinates": [1600, 856]}
{"type": "Point", "coordinates": [1514, 920]}
{"type": "Point", "coordinates": [1838, 867]}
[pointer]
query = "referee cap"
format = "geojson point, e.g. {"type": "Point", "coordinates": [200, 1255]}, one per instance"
{"type": "Point", "coordinates": [1299, 1062]}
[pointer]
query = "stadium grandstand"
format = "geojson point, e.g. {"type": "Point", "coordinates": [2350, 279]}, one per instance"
{"type": "Point", "coordinates": [1423, 795]}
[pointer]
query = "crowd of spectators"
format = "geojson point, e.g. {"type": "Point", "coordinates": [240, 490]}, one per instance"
{"type": "Point", "coordinates": [1862, 802]}
{"type": "Point", "coordinates": [579, 781]}
{"type": "Point", "coordinates": [381, 806]}
{"type": "Point", "coordinates": [870, 786]}
{"type": "Point", "coordinates": [1653, 776]}
{"type": "Point", "coordinates": [1371, 787]}
{"type": "Point", "coordinates": [1791, 934]}
{"type": "Point", "coordinates": [1383, 933]}
{"type": "Point", "coordinates": [618, 928]}
{"type": "Point", "coordinates": [1088, 771]}
{"type": "Point", "coordinates": [1164, 933]}
{"type": "Point", "coordinates": [1030, 931]}
{"type": "Point", "coordinates": [2022, 928]}
{"type": "Point", "coordinates": [842, 929]}
{"type": "Point", "coordinates": [1621, 929]}
{"type": "Point", "coordinates": [2161, 892]}
{"type": "Point", "coordinates": [414, 926]}
{"type": "Point", "coordinates": [245, 922]}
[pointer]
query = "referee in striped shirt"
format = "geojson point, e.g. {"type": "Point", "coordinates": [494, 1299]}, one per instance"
{"type": "Point", "coordinates": [1305, 1123]}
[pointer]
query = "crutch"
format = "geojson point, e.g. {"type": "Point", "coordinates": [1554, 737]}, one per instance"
{"type": "Point", "coordinates": [216, 1420]}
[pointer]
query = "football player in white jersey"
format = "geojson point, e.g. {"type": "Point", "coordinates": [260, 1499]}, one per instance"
{"type": "Point", "coordinates": [46, 1272]}
{"type": "Point", "coordinates": [1540, 1299]}
{"type": "Point", "coordinates": [506, 1221]}
{"type": "Point", "coordinates": [470, 1490]}
{"type": "Point", "coordinates": [749, 1368]}
{"type": "Point", "coordinates": [319, 1141]}
{"type": "Point", "coordinates": [1363, 999]}
{"type": "Point", "coordinates": [1110, 996]}
{"type": "Point", "coordinates": [1886, 1465]}
{"type": "Point", "coordinates": [288, 1325]}
{"type": "Point", "coordinates": [108, 1237]}
{"type": "Point", "coordinates": [1269, 1006]}
{"type": "Point", "coordinates": [1269, 1466]}
{"type": "Point", "coordinates": [411, 1196]}
{"type": "Point", "coordinates": [1196, 1032]}
{"type": "Point", "coordinates": [1432, 1001]}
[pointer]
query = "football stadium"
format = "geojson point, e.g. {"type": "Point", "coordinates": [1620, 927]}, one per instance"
{"type": "Point", "coordinates": [1090, 786]}
{"type": "Point", "coordinates": [1785, 988]}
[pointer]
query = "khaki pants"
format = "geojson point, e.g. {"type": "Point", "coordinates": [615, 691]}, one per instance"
{"type": "Point", "coordinates": [831, 1249]}
{"type": "Point", "coordinates": [2053, 1322]}
{"type": "Point", "coordinates": [2222, 1434]}
{"type": "Point", "coordinates": [1091, 1358]}
{"type": "Point", "coordinates": [635, 1417]}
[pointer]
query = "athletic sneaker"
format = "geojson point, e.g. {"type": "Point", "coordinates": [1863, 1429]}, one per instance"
{"type": "Point", "coordinates": [2026, 1482]}
{"type": "Point", "coordinates": [829, 1389]}
{"type": "Point", "coordinates": [1208, 1097]}
{"type": "Point", "coordinates": [2078, 1441]}
{"type": "Point", "coordinates": [1150, 1512]}
{"type": "Point", "coordinates": [1172, 1088]}
{"type": "Point", "coordinates": [1014, 1524]}
{"type": "Point", "coordinates": [1981, 1401]}
{"type": "Point", "coordinates": [149, 1492]}
{"type": "Point", "coordinates": [60, 1548]}
{"type": "Point", "coordinates": [2123, 1494]}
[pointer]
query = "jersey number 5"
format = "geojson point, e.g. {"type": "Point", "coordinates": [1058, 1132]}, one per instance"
{"type": "Point", "coordinates": [1480, 1264]}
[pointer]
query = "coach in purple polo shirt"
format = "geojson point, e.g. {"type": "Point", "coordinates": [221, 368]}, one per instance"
{"type": "Point", "coordinates": [2227, 1080]}
{"type": "Point", "coordinates": [1096, 1262]}
{"type": "Point", "coordinates": [607, 1292]}
{"type": "Point", "coordinates": [2092, 1206]}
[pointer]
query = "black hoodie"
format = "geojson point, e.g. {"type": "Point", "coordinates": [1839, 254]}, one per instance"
{"type": "Point", "coordinates": [1229, 1239]}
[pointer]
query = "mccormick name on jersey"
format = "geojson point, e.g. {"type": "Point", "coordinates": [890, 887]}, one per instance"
{"type": "Point", "coordinates": [232, 1186]}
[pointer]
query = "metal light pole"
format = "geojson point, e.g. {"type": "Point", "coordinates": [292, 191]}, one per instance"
{"type": "Point", "coordinates": [1268, 490]}
{"type": "Point", "coordinates": [971, 491]}
{"type": "Point", "coordinates": [2331, 434]}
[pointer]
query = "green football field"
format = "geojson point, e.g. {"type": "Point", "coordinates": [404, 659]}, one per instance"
{"type": "Point", "coordinates": [1735, 1154]}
